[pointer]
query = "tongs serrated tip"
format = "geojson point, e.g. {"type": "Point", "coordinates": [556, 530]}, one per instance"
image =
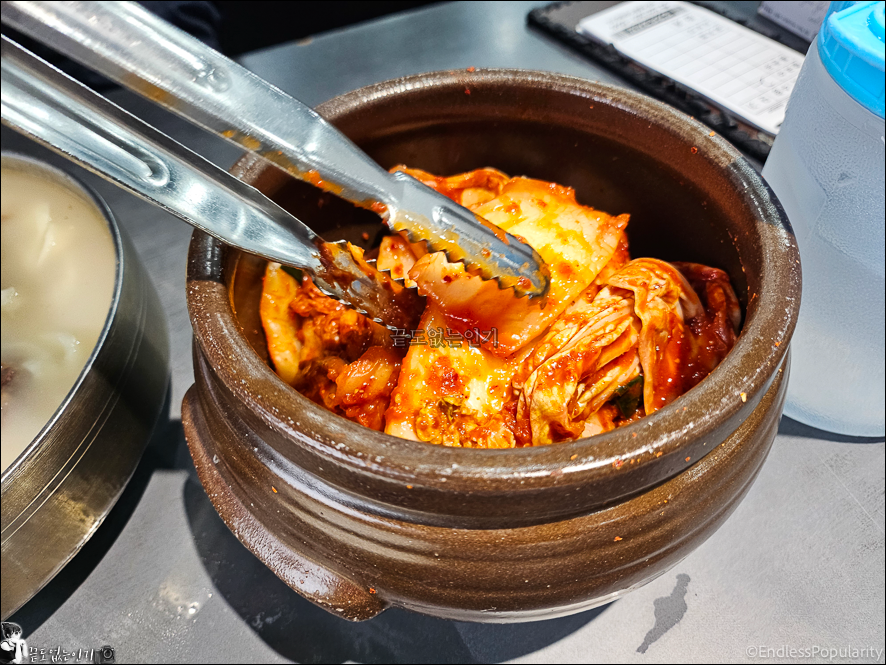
{"type": "Point", "coordinates": [346, 275]}
{"type": "Point", "coordinates": [483, 248]}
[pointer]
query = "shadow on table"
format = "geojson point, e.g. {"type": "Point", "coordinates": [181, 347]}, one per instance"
{"type": "Point", "coordinates": [163, 451]}
{"type": "Point", "coordinates": [303, 632]}
{"type": "Point", "coordinates": [791, 427]}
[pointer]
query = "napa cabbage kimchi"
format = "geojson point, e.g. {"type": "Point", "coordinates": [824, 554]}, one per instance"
{"type": "Point", "coordinates": [617, 337]}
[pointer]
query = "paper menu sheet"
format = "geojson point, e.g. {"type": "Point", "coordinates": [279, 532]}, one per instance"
{"type": "Point", "coordinates": [802, 17]}
{"type": "Point", "coordinates": [748, 75]}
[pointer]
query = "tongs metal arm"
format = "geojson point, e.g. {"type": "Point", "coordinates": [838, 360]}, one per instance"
{"type": "Point", "coordinates": [68, 117]}
{"type": "Point", "coordinates": [132, 46]}
{"type": "Point", "coordinates": [143, 53]}
{"type": "Point", "coordinates": [52, 108]}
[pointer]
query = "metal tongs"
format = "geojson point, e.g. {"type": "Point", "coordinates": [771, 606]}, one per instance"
{"type": "Point", "coordinates": [131, 46]}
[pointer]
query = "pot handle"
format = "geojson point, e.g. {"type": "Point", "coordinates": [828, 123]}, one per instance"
{"type": "Point", "coordinates": [332, 591]}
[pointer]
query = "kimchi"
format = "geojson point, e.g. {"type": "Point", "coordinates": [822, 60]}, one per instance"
{"type": "Point", "coordinates": [615, 339]}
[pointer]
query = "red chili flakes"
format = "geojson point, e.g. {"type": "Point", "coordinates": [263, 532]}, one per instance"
{"type": "Point", "coordinates": [372, 590]}
{"type": "Point", "coordinates": [471, 69]}
{"type": "Point", "coordinates": [591, 106]}
{"type": "Point", "coordinates": [274, 488]}
{"type": "Point", "coordinates": [573, 457]}
{"type": "Point", "coordinates": [617, 463]}
{"type": "Point", "coordinates": [616, 539]}
{"type": "Point", "coordinates": [712, 134]}
{"type": "Point", "coordinates": [634, 435]}
{"type": "Point", "coordinates": [364, 235]}
{"type": "Point", "coordinates": [693, 150]}
{"type": "Point", "coordinates": [658, 454]}
{"type": "Point", "coordinates": [467, 91]}
{"type": "Point", "coordinates": [688, 458]}
{"type": "Point", "coordinates": [777, 343]}
{"type": "Point", "coordinates": [409, 487]}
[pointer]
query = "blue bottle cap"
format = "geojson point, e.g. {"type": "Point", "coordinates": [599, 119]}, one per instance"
{"type": "Point", "coordinates": [851, 46]}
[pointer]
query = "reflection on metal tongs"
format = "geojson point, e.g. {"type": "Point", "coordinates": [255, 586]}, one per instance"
{"type": "Point", "coordinates": [143, 53]}
{"type": "Point", "coordinates": [43, 103]}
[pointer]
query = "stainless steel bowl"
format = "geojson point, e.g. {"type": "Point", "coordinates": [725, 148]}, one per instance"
{"type": "Point", "coordinates": [59, 490]}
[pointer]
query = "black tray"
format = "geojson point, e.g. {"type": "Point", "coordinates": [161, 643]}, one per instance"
{"type": "Point", "coordinates": [559, 20]}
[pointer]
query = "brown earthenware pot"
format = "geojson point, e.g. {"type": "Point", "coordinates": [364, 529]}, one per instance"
{"type": "Point", "coordinates": [356, 520]}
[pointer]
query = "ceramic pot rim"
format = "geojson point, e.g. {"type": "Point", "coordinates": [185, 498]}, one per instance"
{"type": "Point", "coordinates": [726, 397]}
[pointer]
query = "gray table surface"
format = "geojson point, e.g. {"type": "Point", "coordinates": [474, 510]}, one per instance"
{"type": "Point", "coordinates": [800, 564]}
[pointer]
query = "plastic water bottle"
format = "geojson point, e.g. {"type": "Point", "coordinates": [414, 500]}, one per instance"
{"type": "Point", "coordinates": [827, 168]}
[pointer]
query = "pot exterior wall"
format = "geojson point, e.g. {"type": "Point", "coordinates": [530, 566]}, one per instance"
{"type": "Point", "coordinates": [354, 562]}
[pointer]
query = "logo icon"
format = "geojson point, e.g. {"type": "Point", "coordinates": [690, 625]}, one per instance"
{"type": "Point", "coordinates": [13, 648]}
{"type": "Point", "coordinates": [105, 654]}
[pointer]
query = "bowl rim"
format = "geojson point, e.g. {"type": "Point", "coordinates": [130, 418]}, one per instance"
{"type": "Point", "coordinates": [16, 160]}
{"type": "Point", "coordinates": [735, 386]}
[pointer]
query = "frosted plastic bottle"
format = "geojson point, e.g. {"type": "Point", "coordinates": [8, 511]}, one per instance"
{"type": "Point", "coordinates": [827, 168]}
